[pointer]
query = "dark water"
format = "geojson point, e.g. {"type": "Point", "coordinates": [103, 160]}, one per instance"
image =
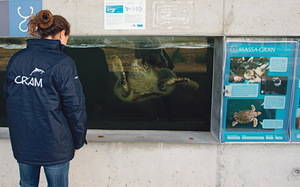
{"type": "Point", "coordinates": [183, 109]}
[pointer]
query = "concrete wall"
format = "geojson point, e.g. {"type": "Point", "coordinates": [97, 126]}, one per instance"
{"type": "Point", "coordinates": [173, 165]}
{"type": "Point", "coordinates": [204, 17]}
{"type": "Point", "coordinates": [137, 164]}
{"type": "Point", "coordinates": [262, 18]}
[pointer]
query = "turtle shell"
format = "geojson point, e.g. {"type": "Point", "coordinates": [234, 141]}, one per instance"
{"type": "Point", "coordinates": [244, 116]}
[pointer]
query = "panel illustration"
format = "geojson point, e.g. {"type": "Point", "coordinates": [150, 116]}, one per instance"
{"type": "Point", "coordinates": [257, 90]}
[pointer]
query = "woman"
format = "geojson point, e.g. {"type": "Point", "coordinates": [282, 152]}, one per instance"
{"type": "Point", "coordinates": [45, 103]}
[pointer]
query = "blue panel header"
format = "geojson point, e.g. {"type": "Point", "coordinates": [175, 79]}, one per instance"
{"type": "Point", "coordinates": [259, 48]}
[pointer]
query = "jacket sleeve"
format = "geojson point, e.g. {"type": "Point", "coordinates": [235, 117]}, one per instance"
{"type": "Point", "coordinates": [72, 99]}
{"type": "Point", "coordinates": [5, 85]}
{"type": "Point", "coordinates": [5, 89]}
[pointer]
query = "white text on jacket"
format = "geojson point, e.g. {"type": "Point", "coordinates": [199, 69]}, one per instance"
{"type": "Point", "coordinates": [29, 81]}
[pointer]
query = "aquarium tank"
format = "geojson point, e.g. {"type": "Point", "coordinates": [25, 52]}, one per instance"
{"type": "Point", "coordinates": [137, 82]}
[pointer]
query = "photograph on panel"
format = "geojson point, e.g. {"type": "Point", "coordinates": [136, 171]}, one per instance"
{"type": "Point", "coordinates": [248, 69]}
{"type": "Point", "coordinates": [273, 85]}
{"type": "Point", "coordinates": [248, 114]}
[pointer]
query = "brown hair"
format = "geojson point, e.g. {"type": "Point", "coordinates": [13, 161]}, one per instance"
{"type": "Point", "coordinates": [44, 24]}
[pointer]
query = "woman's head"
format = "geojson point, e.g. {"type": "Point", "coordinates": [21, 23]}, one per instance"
{"type": "Point", "coordinates": [48, 26]}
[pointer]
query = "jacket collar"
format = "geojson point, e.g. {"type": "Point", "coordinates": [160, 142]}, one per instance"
{"type": "Point", "coordinates": [45, 43]}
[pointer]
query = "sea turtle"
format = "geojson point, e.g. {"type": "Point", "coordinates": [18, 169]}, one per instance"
{"type": "Point", "coordinates": [140, 81]}
{"type": "Point", "coordinates": [246, 116]}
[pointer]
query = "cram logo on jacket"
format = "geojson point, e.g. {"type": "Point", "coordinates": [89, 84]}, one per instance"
{"type": "Point", "coordinates": [37, 70]}
{"type": "Point", "coordinates": [31, 80]}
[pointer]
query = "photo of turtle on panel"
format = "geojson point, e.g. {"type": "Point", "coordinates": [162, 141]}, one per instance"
{"type": "Point", "coordinates": [248, 69]}
{"type": "Point", "coordinates": [247, 114]}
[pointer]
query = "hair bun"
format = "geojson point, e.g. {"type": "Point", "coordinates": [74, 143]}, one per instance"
{"type": "Point", "coordinates": [45, 19]}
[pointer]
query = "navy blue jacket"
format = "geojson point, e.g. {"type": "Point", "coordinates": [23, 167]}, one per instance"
{"type": "Point", "coordinates": [45, 104]}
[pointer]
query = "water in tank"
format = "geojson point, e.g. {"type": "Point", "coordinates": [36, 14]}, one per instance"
{"type": "Point", "coordinates": [138, 82]}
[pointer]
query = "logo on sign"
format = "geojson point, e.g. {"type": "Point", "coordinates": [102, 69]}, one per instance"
{"type": "Point", "coordinates": [114, 9]}
{"type": "Point", "coordinates": [233, 49]}
{"type": "Point", "coordinates": [19, 13]}
{"type": "Point", "coordinates": [25, 18]}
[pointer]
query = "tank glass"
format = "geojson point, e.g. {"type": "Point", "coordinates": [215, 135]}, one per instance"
{"type": "Point", "coordinates": [138, 82]}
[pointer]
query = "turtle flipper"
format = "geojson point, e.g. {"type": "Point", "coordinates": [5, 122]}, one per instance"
{"type": "Point", "coordinates": [253, 108]}
{"type": "Point", "coordinates": [234, 123]}
{"type": "Point", "coordinates": [255, 122]}
{"type": "Point", "coordinates": [117, 66]}
{"type": "Point", "coordinates": [180, 80]}
{"type": "Point", "coordinates": [122, 83]}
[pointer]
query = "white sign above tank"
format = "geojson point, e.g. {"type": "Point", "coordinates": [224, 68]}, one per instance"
{"type": "Point", "coordinates": [124, 14]}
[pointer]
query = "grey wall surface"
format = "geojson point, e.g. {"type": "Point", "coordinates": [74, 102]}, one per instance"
{"type": "Point", "coordinates": [172, 165]}
{"type": "Point", "coordinates": [190, 17]}
{"type": "Point", "coordinates": [262, 17]}
{"type": "Point", "coordinates": [4, 18]}
{"type": "Point", "coordinates": [88, 18]}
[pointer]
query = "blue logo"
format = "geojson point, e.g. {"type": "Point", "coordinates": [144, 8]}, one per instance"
{"type": "Point", "coordinates": [114, 9]}
{"type": "Point", "coordinates": [20, 12]}
{"type": "Point", "coordinates": [233, 49]}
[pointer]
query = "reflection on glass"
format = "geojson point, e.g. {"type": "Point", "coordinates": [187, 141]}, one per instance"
{"type": "Point", "coordinates": [139, 82]}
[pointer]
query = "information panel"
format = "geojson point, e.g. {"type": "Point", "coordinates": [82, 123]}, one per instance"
{"type": "Point", "coordinates": [15, 14]}
{"type": "Point", "coordinates": [295, 122]}
{"type": "Point", "coordinates": [257, 91]}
